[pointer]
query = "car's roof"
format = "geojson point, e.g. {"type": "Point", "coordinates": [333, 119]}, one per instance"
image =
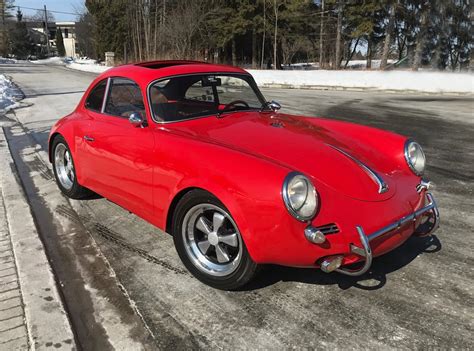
{"type": "Point", "coordinates": [146, 72]}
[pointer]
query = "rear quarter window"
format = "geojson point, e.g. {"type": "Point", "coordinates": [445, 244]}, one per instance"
{"type": "Point", "coordinates": [96, 96]}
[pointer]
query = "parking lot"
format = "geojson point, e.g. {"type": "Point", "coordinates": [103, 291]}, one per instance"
{"type": "Point", "coordinates": [418, 296]}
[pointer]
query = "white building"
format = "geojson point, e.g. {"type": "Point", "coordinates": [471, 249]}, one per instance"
{"type": "Point", "coordinates": [68, 30]}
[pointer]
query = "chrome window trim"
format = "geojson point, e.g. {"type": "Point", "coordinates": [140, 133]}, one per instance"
{"type": "Point", "coordinates": [407, 158]}
{"type": "Point", "coordinates": [286, 199]}
{"type": "Point", "coordinates": [252, 84]}
{"type": "Point", "coordinates": [106, 95]}
{"type": "Point", "coordinates": [90, 92]}
{"type": "Point", "coordinates": [383, 187]}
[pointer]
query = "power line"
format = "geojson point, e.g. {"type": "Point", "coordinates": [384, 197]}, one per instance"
{"type": "Point", "coordinates": [61, 12]}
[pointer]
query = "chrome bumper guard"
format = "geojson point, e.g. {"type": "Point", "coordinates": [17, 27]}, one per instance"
{"type": "Point", "coordinates": [366, 251]}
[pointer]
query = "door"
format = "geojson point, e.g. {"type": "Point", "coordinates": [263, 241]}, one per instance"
{"type": "Point", "coordinates": [119, 154]}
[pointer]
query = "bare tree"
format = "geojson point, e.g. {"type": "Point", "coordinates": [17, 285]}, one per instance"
{"type": "Point", "coordinates": [276, 9]}
{"type": "Point", "coordinates": [38, 16]}
{"type": "Point", "coordinates": [321, 36]}
{"type": "Point", "coordinates": [421, 37]}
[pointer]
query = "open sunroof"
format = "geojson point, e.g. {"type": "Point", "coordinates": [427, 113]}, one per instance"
{"type": "Point", "coordinates": [163, 64]}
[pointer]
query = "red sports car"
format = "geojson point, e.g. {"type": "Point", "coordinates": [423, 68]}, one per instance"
{"type": "Point", "coordinates": [196, 150]}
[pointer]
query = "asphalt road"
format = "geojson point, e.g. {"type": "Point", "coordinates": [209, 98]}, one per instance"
{"type": "Point", "coordinates": [418, 296]}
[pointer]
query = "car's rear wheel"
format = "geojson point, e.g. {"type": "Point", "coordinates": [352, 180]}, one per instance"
{"type": "Point", "coordinates": [65, 171]}
{"type": "Point", "coordinates": [209, 242]}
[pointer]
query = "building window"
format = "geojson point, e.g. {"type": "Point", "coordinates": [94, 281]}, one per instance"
{"type": "Point", "coordinates": [66, 33]}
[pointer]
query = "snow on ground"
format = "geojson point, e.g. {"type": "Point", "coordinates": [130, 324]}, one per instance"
{"type": "Point", "coordinates": [9, 94]}
{"type": "Point", "coordinates": [354, 64]}
{"type": "Point", "coordinates": [362, 64]}
{"type": "Point", "coordinates": [85, 61]}
{"type": "Point", "coordinates": [5, 60]}
{"type": "Point", "coordinates": [431, 82]}
{"type": "Point", "coordinates": [95, 68]}
{"type": "Point", "coordinates": [49, 61]}
{"type": "Point", "coordinates": [80, 64]}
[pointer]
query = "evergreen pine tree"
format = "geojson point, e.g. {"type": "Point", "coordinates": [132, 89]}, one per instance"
{"type": "Point", "coordinates": [21, 44]}
{"type": "Point", "coordinates": [60, 43]}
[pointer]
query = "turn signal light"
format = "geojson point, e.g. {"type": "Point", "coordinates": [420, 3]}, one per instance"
{"type": "Point", "coordinates": [314, 235]}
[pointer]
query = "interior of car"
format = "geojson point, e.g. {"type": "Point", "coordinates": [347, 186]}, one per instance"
{"type": "Point", "coordinates": [181, 98]}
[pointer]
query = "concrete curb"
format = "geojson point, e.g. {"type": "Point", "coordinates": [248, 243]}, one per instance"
{"type": "Point", "coordinates": [46, 319]}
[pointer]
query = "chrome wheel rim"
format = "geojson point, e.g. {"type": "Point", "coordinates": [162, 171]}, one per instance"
{"type": "Point", "coordinates": [64, 166]}
{"type": "Point", "coordinates": [212, 240]}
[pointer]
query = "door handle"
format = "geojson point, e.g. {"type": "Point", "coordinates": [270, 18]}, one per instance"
{"type": "Point", "coordinates": [88, 138]}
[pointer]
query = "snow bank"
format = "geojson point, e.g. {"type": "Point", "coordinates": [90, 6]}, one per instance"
{"type": "Point", "coordinates": [49, 61]}
{"type": "Point", "coordinates": [9, 94]}
{"type": "Point", "coordinates": [85, 61]}
{"type": "Point", "coordinates": [94, 68]}
{"type": "Point", "coordinates": [354, 64]}
{"type": "Point", "coordinates": [6, 60]}
{"type": "Point", "coordinates": [431, 82]}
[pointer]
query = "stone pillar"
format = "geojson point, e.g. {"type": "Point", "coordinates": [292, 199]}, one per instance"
{"type": "Point", "coordinates": [109, 59]}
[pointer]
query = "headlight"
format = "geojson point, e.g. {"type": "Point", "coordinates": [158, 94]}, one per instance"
{"type": "Point", "coordinates": [300, 196]}
{"type": "Point", "coordinates": [415, 157]}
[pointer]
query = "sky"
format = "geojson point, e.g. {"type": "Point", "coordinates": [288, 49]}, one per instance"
{"type": "Point", "coordinates": [71, 6]}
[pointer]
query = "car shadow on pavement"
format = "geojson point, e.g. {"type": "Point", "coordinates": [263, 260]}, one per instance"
{"type": "Point", "coordinates": [374, 279]}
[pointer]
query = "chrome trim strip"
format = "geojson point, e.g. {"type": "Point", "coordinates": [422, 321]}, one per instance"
{"type": "Point", "coordinates": [383, 187]}
{"type": "Point", "coordinates": [106, 95]}
{"type": "Point", "coordinates": [366, 251]}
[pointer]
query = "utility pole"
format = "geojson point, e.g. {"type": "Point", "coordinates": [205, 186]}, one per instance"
{"type": "Point", "coordinates": [46, 30]}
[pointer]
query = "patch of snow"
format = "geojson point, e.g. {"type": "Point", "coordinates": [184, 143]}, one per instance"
{"type": "Point", "coordinates": [9, 94]}
{"type": "Point", "coordinates": [49, 61]}
{"type": "Point", "coordinates": [363, 63]}
{"type": "Point", "coordinates": [431, 82]}
{"type": "Point", "coordinates": [85, 61]}
{"type": "Point", "coordinates": [7, 60]}
{"type": "Point", "coordinates": [94, 68]}
{"type": "Point", "coordinates": [354, 64]}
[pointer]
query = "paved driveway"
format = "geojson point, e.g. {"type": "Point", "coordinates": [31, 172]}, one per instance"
{"type": "Point", "coordinates": [419, 296]}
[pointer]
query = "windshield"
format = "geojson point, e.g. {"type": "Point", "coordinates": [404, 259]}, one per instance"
{"type": "Point", "coordinates": [185, 97]}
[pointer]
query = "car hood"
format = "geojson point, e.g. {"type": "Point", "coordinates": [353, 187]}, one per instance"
{"type": "Point", "coordinates": [308, 145]}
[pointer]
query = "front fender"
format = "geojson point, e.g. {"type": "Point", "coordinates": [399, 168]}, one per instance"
{"type": "Point", "coordinates": [248, 186]}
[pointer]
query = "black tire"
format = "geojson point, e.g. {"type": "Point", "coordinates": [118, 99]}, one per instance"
{"type": "Point", "coordinates": [77, 191]}
{"type": "Point", "coordinates": [246, 268]}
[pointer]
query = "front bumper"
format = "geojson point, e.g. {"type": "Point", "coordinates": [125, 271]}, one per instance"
{"type": "Point", "coordinates": [366, 252]}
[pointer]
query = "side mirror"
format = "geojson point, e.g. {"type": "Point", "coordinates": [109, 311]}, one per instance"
{"type": "Point", "coordinates": [137, 120]}
{"type": "Point", "coordinates": [275, 106]}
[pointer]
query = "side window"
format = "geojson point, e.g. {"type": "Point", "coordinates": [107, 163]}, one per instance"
{"type": "Point", "coordinates": [124, 98]}
{"type": "Point", "coordinates": [96, 96]}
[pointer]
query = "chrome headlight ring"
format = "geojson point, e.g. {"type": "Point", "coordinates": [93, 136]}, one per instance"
{"type": "Point", "coordinates": [415, 157]}
{"type": "Point", "coordinates": [300, 196]}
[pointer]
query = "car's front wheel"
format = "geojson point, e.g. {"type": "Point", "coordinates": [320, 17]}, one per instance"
{"type": "Point", "coordinates": [65, 171]}
{"type": "Point", "coordinates": [209, 242]}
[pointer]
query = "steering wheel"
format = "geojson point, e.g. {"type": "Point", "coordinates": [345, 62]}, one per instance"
{"type": "Point", "coordinates": [232, 104]}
